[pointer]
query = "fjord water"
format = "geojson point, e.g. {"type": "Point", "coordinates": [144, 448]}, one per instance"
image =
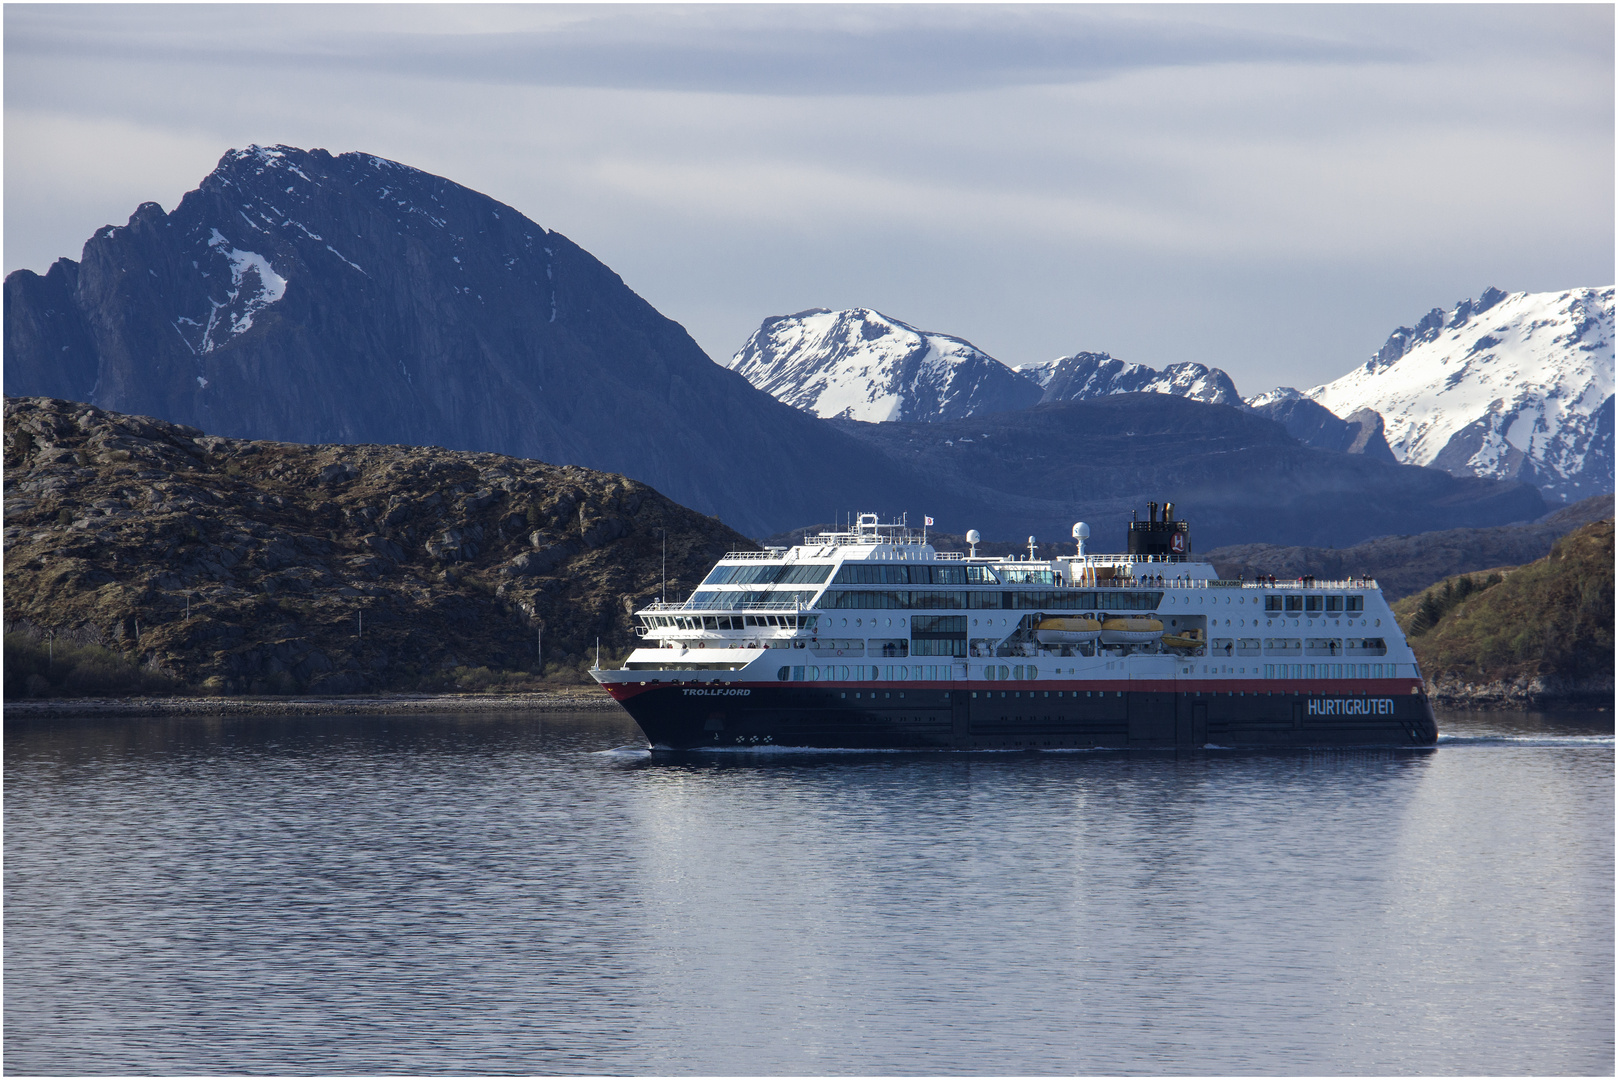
{"type": "Point", "coordinates": [513, 894]}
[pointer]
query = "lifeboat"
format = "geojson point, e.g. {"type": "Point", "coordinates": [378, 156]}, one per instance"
{"type": "Point", "coordinates": [1131, 631]}
{"type": "Point", "coordinates": [1067, 631]}
{"type": "Point", "coordinates": [1188, 640]}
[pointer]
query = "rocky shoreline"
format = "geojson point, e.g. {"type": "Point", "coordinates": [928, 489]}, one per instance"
{"type": "Point", "coordinates": [579, 700]}
{"type": "Point", "coordinates": [1538, 692]}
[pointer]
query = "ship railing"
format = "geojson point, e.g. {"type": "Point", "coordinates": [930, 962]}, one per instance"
{"type": "Point", "coordinates": [1242, 583]}
{"type": "Point", "coordinates": [1119, 559]}
{"type": "Point", "coordinates": [1145, 582]}
{"type": "Point", "coordinates": [1313, 583]}
{"type": "Point", "coordinates": [753, 554]}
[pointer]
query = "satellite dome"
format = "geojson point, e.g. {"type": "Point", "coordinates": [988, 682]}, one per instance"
{"type": "Point", "coordinates": [1081, 531]}
{"type": "Point", "coordinates": [972, 537]}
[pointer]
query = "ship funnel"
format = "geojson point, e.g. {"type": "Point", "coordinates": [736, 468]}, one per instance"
{"type": "Point", "coordinates": [1151, 512]}
{"type": "Point", "coordinates": [1168, 511]}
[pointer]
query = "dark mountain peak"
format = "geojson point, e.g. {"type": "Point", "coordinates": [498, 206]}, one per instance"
{"type": "Point", "coordinates": [302, 296]}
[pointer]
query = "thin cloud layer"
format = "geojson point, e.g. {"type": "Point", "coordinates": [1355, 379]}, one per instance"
{"type": "Point", "coordinates": [791, 50]}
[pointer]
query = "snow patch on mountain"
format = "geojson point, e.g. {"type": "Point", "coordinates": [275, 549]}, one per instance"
{"type": "Point", "coordinates": [859, 364]}
{"type": "Point", "coordinates": [1511, 386]}
{"type": "Point", "coordinates": [254, 286]}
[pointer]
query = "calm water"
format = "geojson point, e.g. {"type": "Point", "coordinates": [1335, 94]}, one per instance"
{"type": "Point", "coordinates": [437, 895]}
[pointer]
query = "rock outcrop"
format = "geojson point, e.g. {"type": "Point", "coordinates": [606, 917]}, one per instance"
{"type": "Point", "coordinates": [252, 566]}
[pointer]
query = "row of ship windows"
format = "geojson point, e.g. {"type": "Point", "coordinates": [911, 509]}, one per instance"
{"type": "Point", "coordinates": [728, 622]}
{"type": "Point", "coordinates": [1307, 671]}
{"type": "Point", "coordinates": [1024, 672]}
{"type": "Point", "coordinates": [1003, 599]}
{"type": "Point", "coordinates": [1299, 646]}
{"type": "Point", "coordinates": [865, 574]}
{"type": "Point", "coordinates": [866, 673]}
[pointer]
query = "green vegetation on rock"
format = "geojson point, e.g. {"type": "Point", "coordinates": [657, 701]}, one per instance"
{"type": "Point", "coordinates": [1403, 565]}
{"type": "Point", "coordinates": [148, 556]}
{"type": "Point", "coordinates": [1539, 632]}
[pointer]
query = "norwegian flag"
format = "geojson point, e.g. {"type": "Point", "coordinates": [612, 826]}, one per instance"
{"type": "Point", "coordinates": [928, 520]}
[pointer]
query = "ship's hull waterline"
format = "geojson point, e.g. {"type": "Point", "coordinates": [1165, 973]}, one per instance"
{"type": "Point", "coordinates": [946, 717]}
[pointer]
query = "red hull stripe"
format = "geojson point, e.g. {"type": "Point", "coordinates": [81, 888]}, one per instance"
{"type": "Point", "coordinates": [1209, 687]}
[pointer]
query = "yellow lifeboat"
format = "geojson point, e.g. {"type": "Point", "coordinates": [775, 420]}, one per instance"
{"type": "Point", "coordinates": [1191, 639]}
{"type": "Point", "coordinates": [1067, 631]}
{"type": "Point", "coordinates": [1130, 631]}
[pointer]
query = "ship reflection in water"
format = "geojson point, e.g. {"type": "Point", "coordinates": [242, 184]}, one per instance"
{"type": "Point", "coordinates": [512, 894]}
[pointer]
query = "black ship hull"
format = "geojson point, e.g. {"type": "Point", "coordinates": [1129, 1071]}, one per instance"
{"type": "Point", "coordinates": [691, 716]}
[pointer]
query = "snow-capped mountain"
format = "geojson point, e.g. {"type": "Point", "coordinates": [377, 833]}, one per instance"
{"type": "Point", "coordinates": [1511, 386]}
{"type": "Point", "coordinates": [859, 364]}
{"type": "Point", "coordinates": [1090, 375]}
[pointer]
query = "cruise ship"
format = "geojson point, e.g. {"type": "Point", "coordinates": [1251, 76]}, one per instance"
{"type": "Point", "coordinates": [871, 638]}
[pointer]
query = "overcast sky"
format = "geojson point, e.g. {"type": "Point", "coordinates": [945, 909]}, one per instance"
{"type": "Point", "coordinates": [1267, 189]}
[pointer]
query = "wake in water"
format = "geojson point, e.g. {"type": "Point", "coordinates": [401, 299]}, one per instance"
{"type": "Point", "coordinates": [1563, 742]}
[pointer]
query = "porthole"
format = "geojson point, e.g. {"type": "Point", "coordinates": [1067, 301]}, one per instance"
{"type": "Point", "coordinates": [845, 622]}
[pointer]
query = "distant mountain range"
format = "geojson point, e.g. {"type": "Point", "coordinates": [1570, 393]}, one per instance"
{"type": "Point", "coordinates": [298, 296]}
{"type": "Point", "coordinates": [1515, 386]}
{"type": "Point", "coordinates": [1230, 472]}
{"type": "Point", "coordinates": [859, 364]}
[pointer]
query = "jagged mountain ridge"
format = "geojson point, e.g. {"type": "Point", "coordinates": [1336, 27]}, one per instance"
{"type": "Point", "coordinates": [305, 297]}
{"type": "Point", "coordinates": [1512, 386]}
{"type": "Point", "coordinates": [1088, 375]}
{"type": "Point", "coordinates": [859, 364]}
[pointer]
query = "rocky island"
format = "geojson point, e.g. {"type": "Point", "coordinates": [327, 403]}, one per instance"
{"type": "Point", "coordinates": [146, 555]}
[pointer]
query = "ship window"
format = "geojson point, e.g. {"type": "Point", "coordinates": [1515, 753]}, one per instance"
{"type": "Point", "coordinates": [1334, 603]}
{"type": "Point", "coordinates": [1294, 603]}
{"type": "Point", "coordinates": [1272, 603]}
{"type": "Point", "coordinates": [1356, 603]}
{"type": "Point", "coordinates": [1312, 603]}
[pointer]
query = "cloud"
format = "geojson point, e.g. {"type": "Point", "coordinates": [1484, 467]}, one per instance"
{"type": "Point", "coordinates": [783, 50]}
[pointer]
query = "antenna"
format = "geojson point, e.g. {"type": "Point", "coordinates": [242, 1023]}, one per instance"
{"type": "Point", "coordinates": [1030, 549]}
